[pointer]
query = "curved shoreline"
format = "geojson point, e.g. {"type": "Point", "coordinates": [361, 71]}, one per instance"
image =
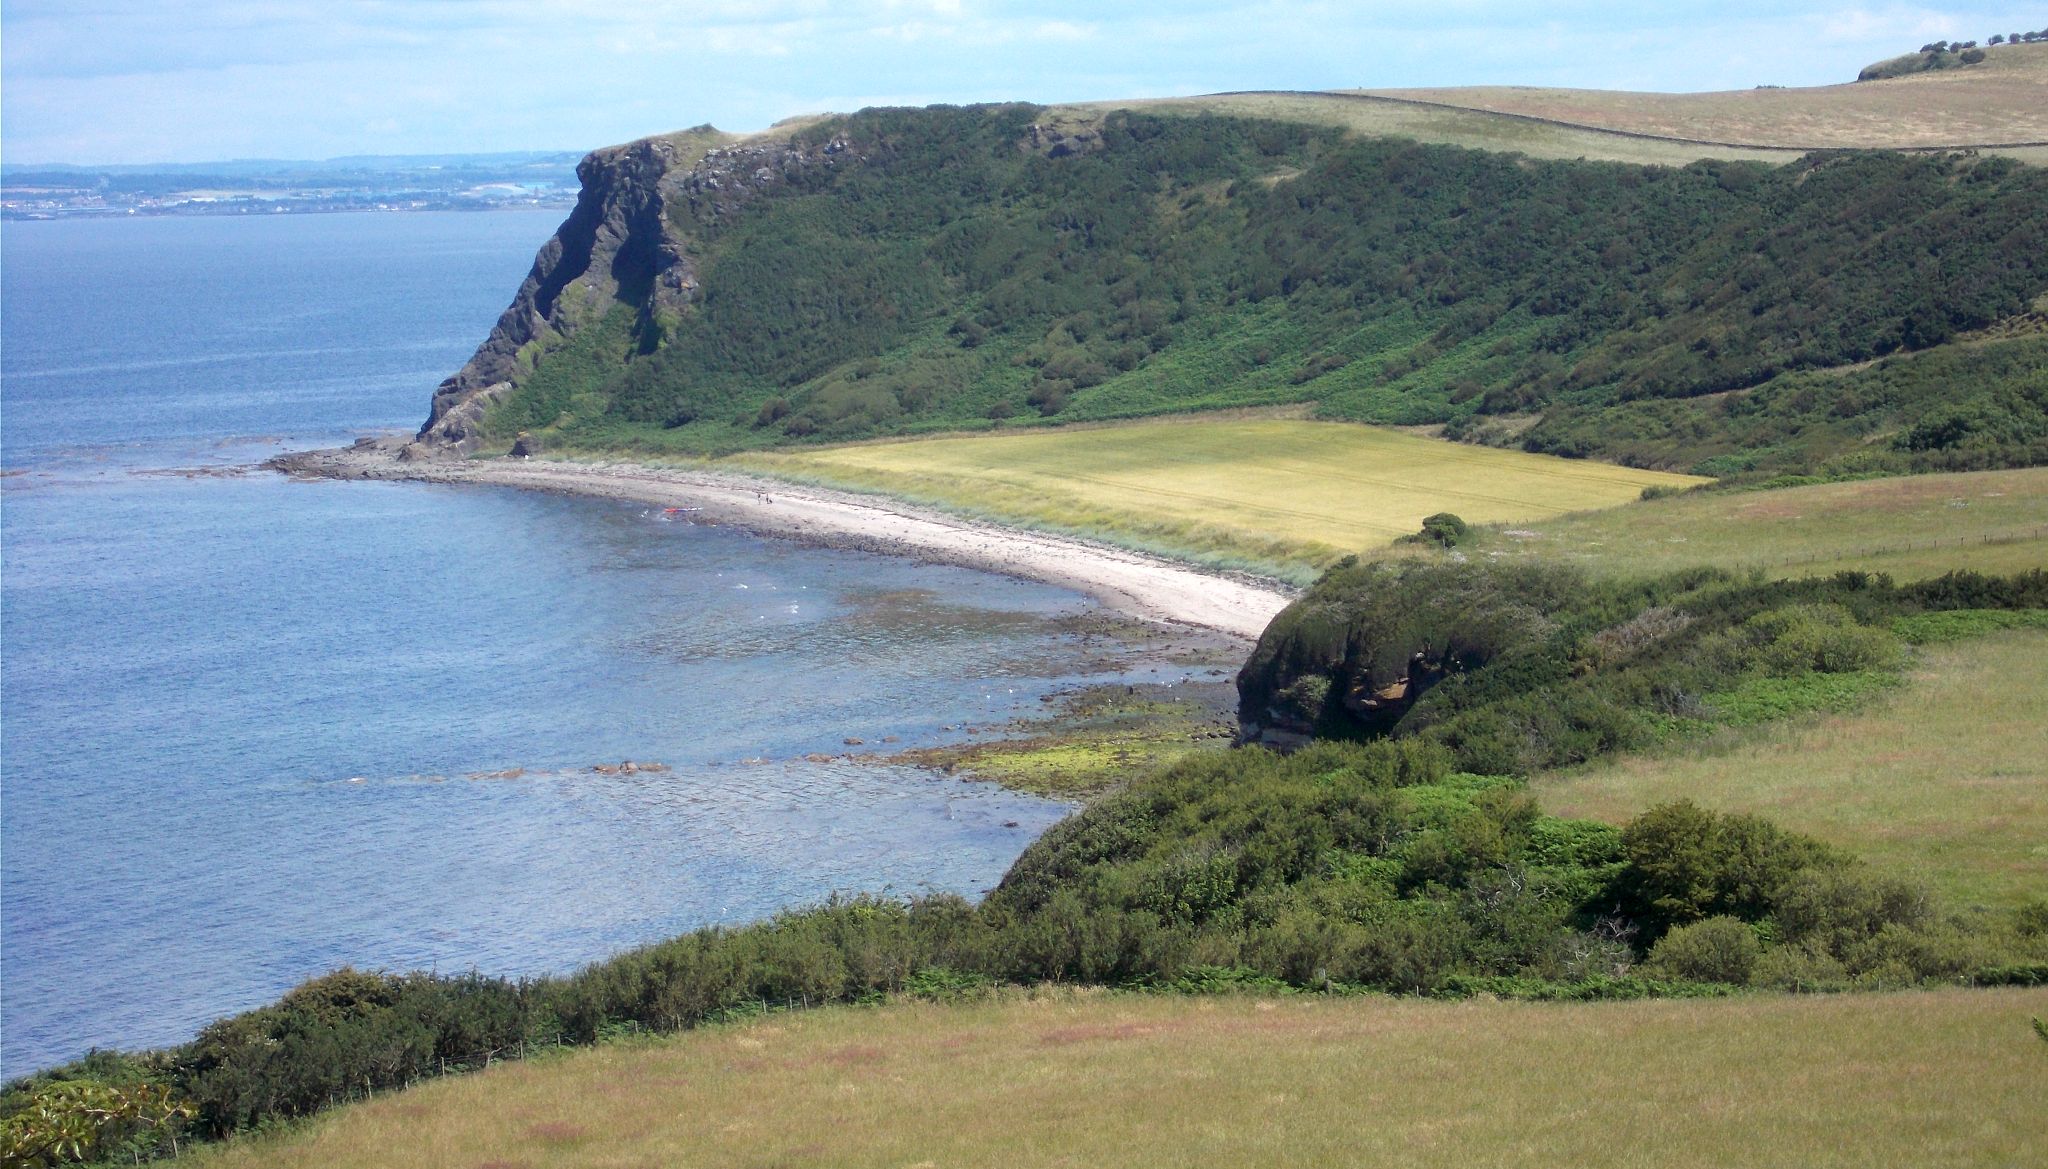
{"type": "Point", "coordinates": [1149, 588]}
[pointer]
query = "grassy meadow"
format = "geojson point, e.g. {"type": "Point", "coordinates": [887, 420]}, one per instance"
{"type": "Point", "coordinates": [1260, 489]}
{"type": "Point", "coordinates": [2000, 100]}
{"type": "Point", "coordinates": [1942, 781]}
{"type": "Point", "coordinates": [1912, 527]}
{"type": "Point", "coordinates": [2003, 99]}
{"type": "Point", "coordinates": [1476, 129]}
{"type": "Point", "coordinates": [1940, 1078]}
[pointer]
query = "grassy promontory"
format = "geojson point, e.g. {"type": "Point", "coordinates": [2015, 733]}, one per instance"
{"type": "Point", "coordinates": [901, 272]}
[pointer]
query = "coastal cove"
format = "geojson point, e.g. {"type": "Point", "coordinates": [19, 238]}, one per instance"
{"type": "Point", "coordinates": [260, 728]}
{"type": "Point", "coordinates": [1144, 587]}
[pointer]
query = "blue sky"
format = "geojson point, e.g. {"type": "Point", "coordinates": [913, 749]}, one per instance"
{"type": "Point", "coordinates": [96, 81]}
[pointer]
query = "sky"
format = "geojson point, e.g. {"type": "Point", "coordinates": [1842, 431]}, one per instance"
{"type": "Point", "coordinates": [138, 81]}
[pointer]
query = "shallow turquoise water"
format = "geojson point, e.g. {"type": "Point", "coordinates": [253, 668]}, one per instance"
{"type": "Point", "coordinates": [247, 725]}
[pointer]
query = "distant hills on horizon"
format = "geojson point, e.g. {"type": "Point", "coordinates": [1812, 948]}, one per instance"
{"type": "Point", "coordinates": [275, 166]}
{"type": "Point", "coordinates": [418, 182]}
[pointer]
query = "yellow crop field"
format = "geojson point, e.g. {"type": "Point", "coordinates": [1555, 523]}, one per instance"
{"type": "Point", "coordinates": [1931, 1079]}
{"type": "Point", "coordinates": [1945, 781]}
{"type": "Point", "coordinates": [1272, 490]}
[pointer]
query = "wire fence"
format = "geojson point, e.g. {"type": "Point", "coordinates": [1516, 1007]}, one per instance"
{"type": "Point", "coordinates": [1835, 555]}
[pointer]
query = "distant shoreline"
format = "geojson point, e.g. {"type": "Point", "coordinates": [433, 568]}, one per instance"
{"type": "Point", "coordinates": [1146, 587]}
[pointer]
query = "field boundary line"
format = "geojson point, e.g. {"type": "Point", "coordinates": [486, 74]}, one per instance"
{"type": "Point", "coordinates": [1639, 135]}
{"type": "Point", "coordinates": [1935, 544]}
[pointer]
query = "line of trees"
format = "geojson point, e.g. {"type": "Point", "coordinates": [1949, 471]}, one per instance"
{"type": "Point", "coordinates": [2017, 38]}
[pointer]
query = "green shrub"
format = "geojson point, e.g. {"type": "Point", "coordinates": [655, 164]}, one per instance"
{"type": "Point", "coordinates": [1685, 863]}
{"type": "Point", "coordinates": [1718, 949]}
{"type": "Point", "coordinates": [1798, 968]}
{"type": "Point", "coordinates": [1804, 638]}
{"type": "Point", "coordinates": [1959, 624]}
{"type": "Point", "coordinates": [69, 1121]}
{"type": "Point", "coordinates": [1443, 529]}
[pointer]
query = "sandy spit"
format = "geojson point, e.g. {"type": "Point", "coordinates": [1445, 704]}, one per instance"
{"type": "Point", "coordinates": [1146, 587]}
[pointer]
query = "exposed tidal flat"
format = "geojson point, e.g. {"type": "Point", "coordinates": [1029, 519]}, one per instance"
{"type": "Point", "coordinates": [255, 729]}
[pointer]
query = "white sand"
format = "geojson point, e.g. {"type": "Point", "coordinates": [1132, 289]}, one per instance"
{"type": "Point", "coordinates": [1147, 587]}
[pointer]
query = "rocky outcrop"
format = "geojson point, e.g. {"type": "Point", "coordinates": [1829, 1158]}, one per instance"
{"type": "Point", "coordinates": [1056, 140]}
{"type": "Point", "coordinates": [622, 244]}
{"type": "Point", "coordinates": [611, 246]}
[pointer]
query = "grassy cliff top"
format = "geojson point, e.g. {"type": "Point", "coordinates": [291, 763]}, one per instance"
{"type": "Point", "coordinates": [2001, 103]}
{"type": "Point", "coordinates": [2002, 100]}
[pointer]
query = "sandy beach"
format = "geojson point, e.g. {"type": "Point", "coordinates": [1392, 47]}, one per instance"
{"type": "Point", "coordinates": [1149, 588]}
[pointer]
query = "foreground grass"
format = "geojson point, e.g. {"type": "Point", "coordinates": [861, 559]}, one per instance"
{"type": "Point", "coordinates": [1946, 1078]}
{"type": "Point", "coordinates": [1912, 527]}
{"type": "Point", "coordinates": [1944, 781]}
{"type": "Point", "coordinates": [1261, 489]}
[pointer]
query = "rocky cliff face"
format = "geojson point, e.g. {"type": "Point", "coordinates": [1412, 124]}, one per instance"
{"type": "Point", "coordinates": [621, 244]}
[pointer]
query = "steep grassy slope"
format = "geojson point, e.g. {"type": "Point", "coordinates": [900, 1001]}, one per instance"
{"type": "Point", "coordinates": [1942, 782]}
{"type": "Point", "coordinates": [1929, 1079]}
{"type": "Point", "coordinates": [1270, 492]}
{"type": "Point", "coordinates": [903, 271]}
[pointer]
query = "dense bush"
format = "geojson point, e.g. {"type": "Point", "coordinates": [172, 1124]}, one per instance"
{"type": "Point", "coordinates": [1953, 408]}
{"type": "Point", "coordinates": [1719, 949]}
{"type": "Point", "coordinates": [1444, 529]}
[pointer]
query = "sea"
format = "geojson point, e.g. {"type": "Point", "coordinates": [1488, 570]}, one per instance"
{"type": "Point", "coordinates": [252, 729]}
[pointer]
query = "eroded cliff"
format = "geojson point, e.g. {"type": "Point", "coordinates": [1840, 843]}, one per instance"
{"type": "Point", "coordinates": [621, 245]}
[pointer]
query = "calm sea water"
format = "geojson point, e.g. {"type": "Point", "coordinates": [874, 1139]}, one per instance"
{"type": "Point", "coordinates": [250, 729]}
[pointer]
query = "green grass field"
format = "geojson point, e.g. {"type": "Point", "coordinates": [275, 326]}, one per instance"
{"type": "Point", "coordinates": [1944, 781]}
{"type": "Point", "coordinates": [1912, 527]}
{"type": "Point", "coordinates": [1999, 101]}
{"type": "Point", "coordinates": [1261, 489]}
{"type": "Point", "coordinates": [1929, 1079]}
{"type": "Point", "coordinates": [1473, 128]}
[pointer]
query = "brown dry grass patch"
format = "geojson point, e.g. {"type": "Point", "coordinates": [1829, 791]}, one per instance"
{"type": "Point", "coordinates": [2002, 100]}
